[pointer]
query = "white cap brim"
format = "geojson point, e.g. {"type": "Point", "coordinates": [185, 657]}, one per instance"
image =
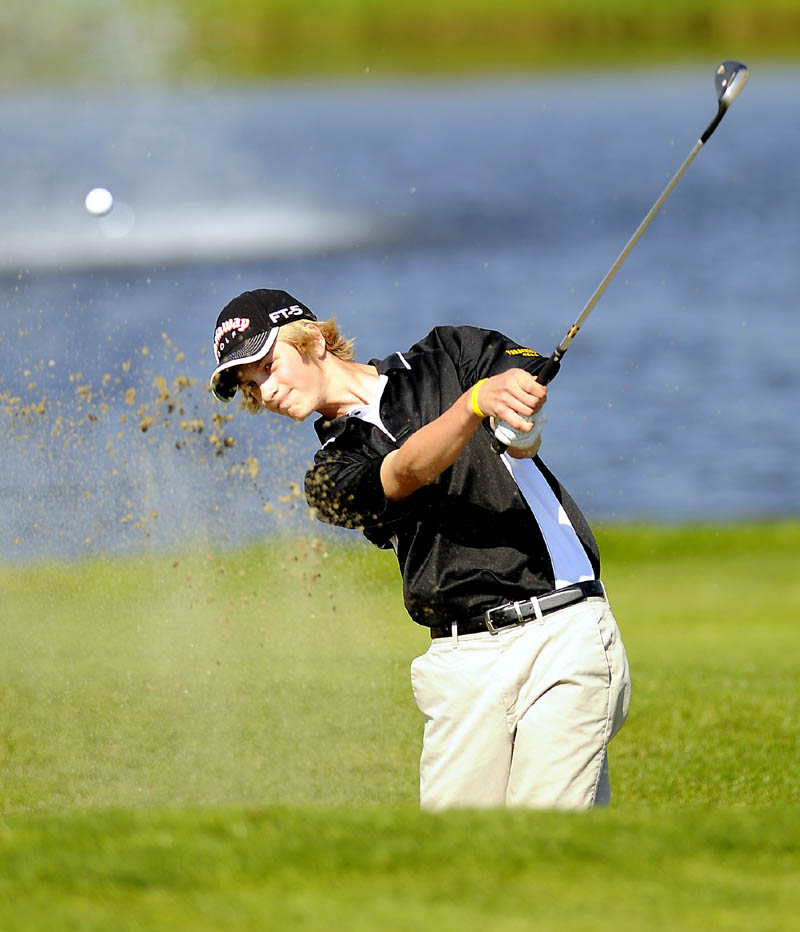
{"type": "Point", "coordinates": [224, 387]}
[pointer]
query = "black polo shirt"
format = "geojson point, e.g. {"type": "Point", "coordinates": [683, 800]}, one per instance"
{"type": "Point", "coordinates": [470, 540]}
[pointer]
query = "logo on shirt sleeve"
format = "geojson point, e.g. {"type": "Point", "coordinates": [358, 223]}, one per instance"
{"type": "Point", "coordinates": [521, 351]}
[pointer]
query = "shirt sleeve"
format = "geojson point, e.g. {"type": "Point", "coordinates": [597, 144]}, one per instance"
{"type": "Point", "coordinates": [479, 354]}
{"type": "Point", "coordinates": [344, 488]}
{"type": "Point", "coordinates": [344, 485]}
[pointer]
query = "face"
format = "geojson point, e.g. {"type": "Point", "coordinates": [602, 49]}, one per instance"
{"type": "Point", "coordinates": [284, 382]}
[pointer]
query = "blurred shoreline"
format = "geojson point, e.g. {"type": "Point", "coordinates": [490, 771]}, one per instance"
{"type": "Point", "coordinates": [95, 43]}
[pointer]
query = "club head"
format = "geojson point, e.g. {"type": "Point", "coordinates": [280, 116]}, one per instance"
{"type": "Point", "coordinates": [730, 78]}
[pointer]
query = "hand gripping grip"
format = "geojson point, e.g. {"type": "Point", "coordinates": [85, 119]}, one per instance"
{"type": "Point", "coordinates": [504, 434]}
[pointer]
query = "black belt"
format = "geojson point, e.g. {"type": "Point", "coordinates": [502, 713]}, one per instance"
{"type": "Point", "coordinates": [518, 613]}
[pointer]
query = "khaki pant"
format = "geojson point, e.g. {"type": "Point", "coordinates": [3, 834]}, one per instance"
{"type": "Point", "coordinates": [524, 717]}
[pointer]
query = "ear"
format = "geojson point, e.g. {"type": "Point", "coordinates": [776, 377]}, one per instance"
{"type": "Point", "coordinates": [319, 348]}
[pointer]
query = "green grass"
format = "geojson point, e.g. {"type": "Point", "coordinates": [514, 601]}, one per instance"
{"type": "Point", "coordinates": [202, 42]}
{"type": "Point", "coordinates": [228, 741]}
{"type": "Point", "coordinates": [250, 38]}
{"type": "Point", "coordinates": [400, 870]}
{"type": "Point", "coordinates": [199, 680]}
{"type": "Point", "coordinates": [709, 619]}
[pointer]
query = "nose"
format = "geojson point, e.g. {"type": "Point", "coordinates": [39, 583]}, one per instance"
{"type": "Point", "coordinates": [268, 389]}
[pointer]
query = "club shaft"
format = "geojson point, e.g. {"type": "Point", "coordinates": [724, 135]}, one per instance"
{"type": "Point", "coordinates": [731, 78]}
{"type": "Point", "coordinates": [551, 366]}
{"type": "Point", "coordinates": [598, 293]}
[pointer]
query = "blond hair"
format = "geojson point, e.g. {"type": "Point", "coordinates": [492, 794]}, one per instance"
{"type": "Point", "coordinates": [298, 333]}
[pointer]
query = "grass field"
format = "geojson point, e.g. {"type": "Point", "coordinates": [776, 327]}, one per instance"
{"type": "Point", "coordinates": [200, 43]}
{"type": "Point", "coordinates": [228, 741]}
{"type": "Point", "coordinates": [252, 38]}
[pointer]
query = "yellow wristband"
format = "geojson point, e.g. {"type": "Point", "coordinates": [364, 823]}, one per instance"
{"type": "Point", "coordinates": [474, 399]}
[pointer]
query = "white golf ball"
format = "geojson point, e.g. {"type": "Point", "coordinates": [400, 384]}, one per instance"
{"type": "Point", "coordinates": [99, 202]}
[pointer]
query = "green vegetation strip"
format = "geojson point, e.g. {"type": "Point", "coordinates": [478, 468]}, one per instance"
{"type": "Point", "coordinates": [401, 870]}
{"type": "Point", "coordinates": [249, 38]}
{"type": "Point", "coordinates": [228, 740]}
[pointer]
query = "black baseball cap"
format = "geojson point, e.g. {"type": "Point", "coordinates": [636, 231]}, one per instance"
{"type": "Point", "coordinates": [246, 330]}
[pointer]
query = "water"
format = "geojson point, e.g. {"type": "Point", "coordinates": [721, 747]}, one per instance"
{"type": "Point", "coordinates": [394, 207]}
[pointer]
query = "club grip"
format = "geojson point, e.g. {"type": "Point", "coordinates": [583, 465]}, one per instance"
{"type": "Point", "coordinates": [548, 371]}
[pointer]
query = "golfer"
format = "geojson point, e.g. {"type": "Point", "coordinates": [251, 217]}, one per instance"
{"type": "Point", "coordinates": [526, 679]}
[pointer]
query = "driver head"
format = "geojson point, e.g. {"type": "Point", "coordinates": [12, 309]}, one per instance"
{"type": "Point", "coordinates": [730, 78]}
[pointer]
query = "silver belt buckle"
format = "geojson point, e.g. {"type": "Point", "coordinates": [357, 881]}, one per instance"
{"type": "Point", "coordinates": [487, 616]}
{"type": "Point", "coordinates": [487, 619]}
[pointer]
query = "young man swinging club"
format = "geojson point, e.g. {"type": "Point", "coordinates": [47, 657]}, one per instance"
{"type": "Point", "coordinates": [526, 679]}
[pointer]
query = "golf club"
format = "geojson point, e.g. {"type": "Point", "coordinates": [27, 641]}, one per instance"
{"type": "Point", "coordinates": [729, 79]}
